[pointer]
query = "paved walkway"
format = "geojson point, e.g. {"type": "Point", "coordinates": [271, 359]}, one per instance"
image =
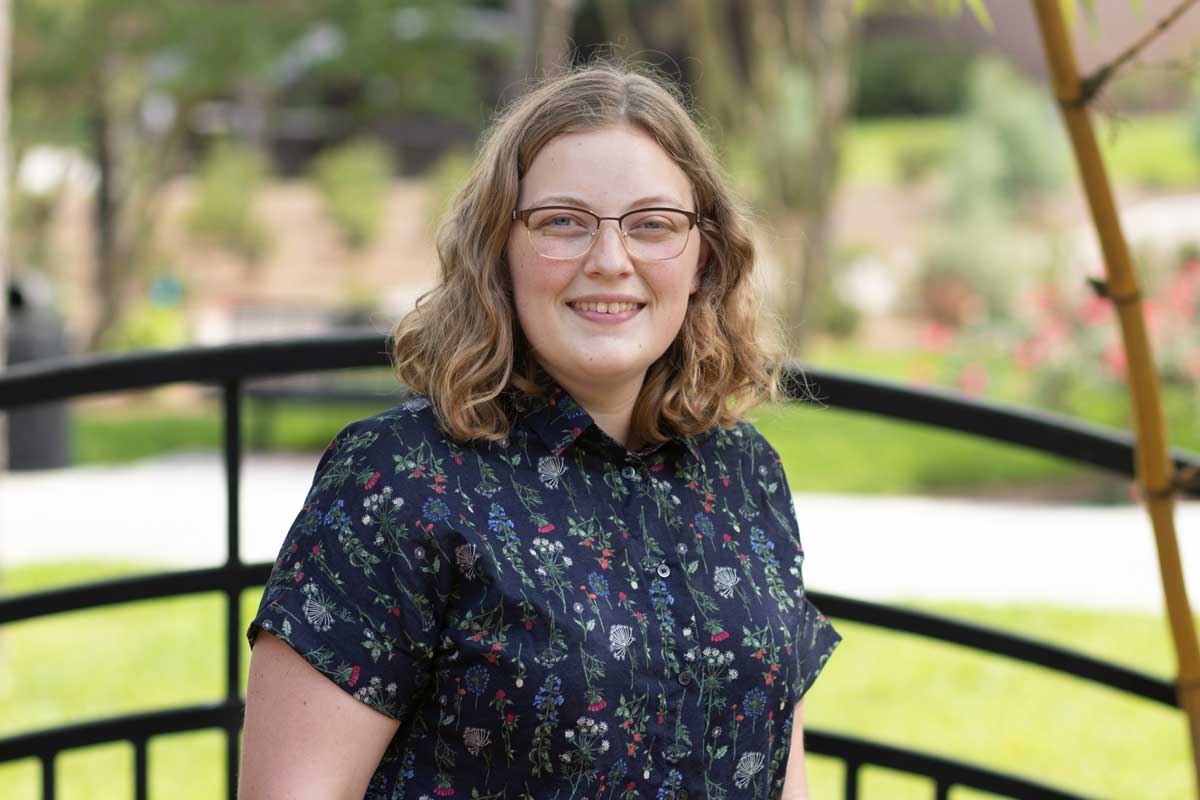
{"type": "Point", "coordinates": [171, 510]}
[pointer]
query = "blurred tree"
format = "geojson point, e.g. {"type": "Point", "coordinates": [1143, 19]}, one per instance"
{"type": "Point", "coordinates": [125, 80]}
{"type": "Point", "coordinates": [774, 75]}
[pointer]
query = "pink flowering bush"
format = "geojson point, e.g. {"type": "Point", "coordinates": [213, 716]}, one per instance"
{"type": "Point", "coordinates": [1063, 342]}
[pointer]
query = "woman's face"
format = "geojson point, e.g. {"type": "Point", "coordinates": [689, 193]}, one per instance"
{"type": "Point", "coordinates": [608, 172]}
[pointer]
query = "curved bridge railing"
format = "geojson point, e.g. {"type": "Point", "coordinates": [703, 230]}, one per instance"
{"type": "Point", "coordinates": [229, 367]}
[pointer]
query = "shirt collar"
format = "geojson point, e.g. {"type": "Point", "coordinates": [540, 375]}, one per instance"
{"type": "Point", "coordinates": [559, 421]}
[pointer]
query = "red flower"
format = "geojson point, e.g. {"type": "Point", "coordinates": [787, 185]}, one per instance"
{"type": "Point", "coordinates": [509, 718]}
{"type": "Point", "coordinates": [395, 611]}
{"type": "Point", "coordinates": [726, 537]}
{"type": "Point", "coordinates": [546, 528]}
{"type": "Point", "coordinates": [576, 431]}
{"type": "Point", "coordinates": [501, 694]}
{"type": "Point", "coordinates": [316, 549]}
{"type": "Point", "coordinates": [458, 459]}
{"type": "Point", "coordinates": [354, 673]}
{"type": "Point", "coordinates": [374, 479]}
{"type": "Point", "coordinates": [299, 577]}
{"type": "Point", "coordinates": [528, 624]}
{"type": "Point", "coordinates": [622, 596]}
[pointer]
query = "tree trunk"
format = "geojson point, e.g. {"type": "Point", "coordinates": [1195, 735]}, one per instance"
{"type": "Point", "coordinates": [108, 273]}
{"type": "Point", "coordinates": [558, 20]}
{"type": "Point", "coordinates": [827, 30]}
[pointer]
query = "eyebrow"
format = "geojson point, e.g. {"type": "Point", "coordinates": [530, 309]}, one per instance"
{"type": "Point", "coordinates": [572, 200]}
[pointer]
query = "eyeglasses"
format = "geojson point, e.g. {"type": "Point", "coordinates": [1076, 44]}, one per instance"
{"type": "Point", "coordinates": [649, 234]}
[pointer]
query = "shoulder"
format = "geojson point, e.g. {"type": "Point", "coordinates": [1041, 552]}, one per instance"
{"type": "Point", "coordinates": [382, 445]}
{"type": "Point", "coordinates": [743, 442]}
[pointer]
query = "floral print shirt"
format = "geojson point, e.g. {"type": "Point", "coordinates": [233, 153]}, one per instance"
{"type": "Point", "coordinates": [554, 616]}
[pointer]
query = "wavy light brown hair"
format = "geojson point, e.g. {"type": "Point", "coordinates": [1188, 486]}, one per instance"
{"type": "Point", "coordinates": [462, 345]}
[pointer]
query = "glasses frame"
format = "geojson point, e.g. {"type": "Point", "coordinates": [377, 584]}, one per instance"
{"type": "Point", "coordinates": [522, 215]}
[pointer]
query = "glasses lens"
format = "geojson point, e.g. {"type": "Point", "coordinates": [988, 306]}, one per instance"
{"type": "Point", "coordinates": [656, 234]}
{"type": "Point", "coordinates": [560, 232]}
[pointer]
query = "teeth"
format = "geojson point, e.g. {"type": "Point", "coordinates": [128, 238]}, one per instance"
{"type": "Point", "coordinates": [605, 308]}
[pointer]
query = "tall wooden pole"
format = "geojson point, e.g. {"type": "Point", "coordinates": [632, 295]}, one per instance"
{"type": "Point", "coordinates": [5, 39]}
{"type": "Point", "coordinates": [1155, 471]}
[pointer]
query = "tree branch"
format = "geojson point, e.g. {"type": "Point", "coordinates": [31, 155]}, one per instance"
{"type": "Point", "coordinates": [1090, 86]}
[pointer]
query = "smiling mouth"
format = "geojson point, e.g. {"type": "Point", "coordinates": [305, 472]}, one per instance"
{"type": "Point", "coordinates": [606, 308]}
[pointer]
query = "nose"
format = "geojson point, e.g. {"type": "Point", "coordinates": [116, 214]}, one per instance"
{"type": "Point", "coordinates": [608, 254]}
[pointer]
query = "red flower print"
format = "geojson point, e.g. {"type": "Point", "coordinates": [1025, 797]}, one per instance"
{"type": "Point", "coordinates": [374, 479]}
{"type": "Point", "coordinates": [458, 459]}
{"type": "Point", "coordinates": [295, 547]}
{"type": "Point", "coordinates": [395, 611]}
{"type": "Point", "coordinates": [726, 537]}
{"type": "Point", "coordinates": [299, 577]}
{"type": "Point", "coordinates": [656, 467]}
{"type": "Point", "coordinates": [639, 615]}
{"type": "Point", "coordinates": [528, 624]}
{"type": "Point", "coordinates": [720, 636]}
{"type": "Point", "coordinates": [316, 550]}
{"type": "Point", "coordinates": [509, 718]}
{"type": "Point", "coordinates": [491, 657]}
{"type": "Point", "coordinates": [354, 675]}
{"type": "Point", "coordinates": [576, 431]}
{"type": "Point", "coordinates": [622, 596]}
{"type": "Point", "coordinates": [725, 482]}
{"type": "Point", "coordinates": [546, 528]}
{"type": "Point", "coordinates": [501, 694]}
{"type": "Point", "coordinates": [597, 706]}
{"type": "Point", "coordinates": [444, 791]}
{"type": "Point", "coordinates": [497, 646]}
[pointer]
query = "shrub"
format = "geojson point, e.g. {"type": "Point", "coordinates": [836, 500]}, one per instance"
{"type": "Point", "coordinates": [909, 75]}
{"type": "Point", "coordinates": [223, 213]}
{"type": "Point", "coordinates": [149, 325]}
{"type": "Point", "coordinates": [354, 179]}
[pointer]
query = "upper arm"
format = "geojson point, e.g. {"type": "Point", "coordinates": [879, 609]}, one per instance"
{"type": "Point", "coordinates": [304, 737]}
{"type": "Point", "coordinates": [795, 782]}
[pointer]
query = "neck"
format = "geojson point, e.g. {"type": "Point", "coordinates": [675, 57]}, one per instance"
{"type": "Point", "coordinates": [610, 407]}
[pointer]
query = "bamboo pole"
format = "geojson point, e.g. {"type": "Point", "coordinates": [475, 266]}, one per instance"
{"type": "Point", "coordinates": [1152, 461]}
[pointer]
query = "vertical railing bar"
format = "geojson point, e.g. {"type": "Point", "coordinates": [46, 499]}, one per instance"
{"type": "Point", "coordinates": [48, 791]}
{"type": "Point", "coordinates": [851, 790]}
{"type": "Point", "coordinates": [140, 790]}
{"type": "Point", "coordinates": [233, 559]}
{"type": "Point", "coordinates": [943, 790]}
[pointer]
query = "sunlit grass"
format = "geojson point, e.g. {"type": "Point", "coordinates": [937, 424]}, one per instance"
{"type": "Point", "coordinates": [891, 687]}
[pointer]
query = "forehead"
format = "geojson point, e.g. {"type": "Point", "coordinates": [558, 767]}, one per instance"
{"type": "Point", "coordinates": [608, 168]}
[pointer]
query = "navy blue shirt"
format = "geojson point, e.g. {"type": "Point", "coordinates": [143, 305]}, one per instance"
{"type": "Point", "coordinates": [554, 616]}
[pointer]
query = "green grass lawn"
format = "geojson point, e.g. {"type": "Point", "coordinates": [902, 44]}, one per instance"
{"type": "Point", "coordinates": [1153, 150]}
{"type": "Point", "coordinates": [885, 686]}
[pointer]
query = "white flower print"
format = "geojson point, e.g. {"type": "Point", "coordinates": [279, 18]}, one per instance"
{"type": "Point", "coordinates": [550, 470]}
{"type": "Point", "coordinates": [749, 765]}
{"type": "Point", "coordinates": [476, 739]}
{"type": "Point", "coordinates": [725, 579]}
{"type": "Point", "coordinates": [466, 556]}
{"type": "Point", "coordinates": [620, 637]}
{"type": "Point", "coordinates": [317, 612]}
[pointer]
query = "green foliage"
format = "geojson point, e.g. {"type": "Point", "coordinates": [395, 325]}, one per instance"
{"type": "Point", "coordinates": [149, 326]}
{"type": "Point", "coordinates": [1011, 145]}
{"type": "Point", "coordinates": [355, 179]}
{"type": "Point", "coordinates": [223, 212]}
{"type": "Point", "coordinates": [903, 75]}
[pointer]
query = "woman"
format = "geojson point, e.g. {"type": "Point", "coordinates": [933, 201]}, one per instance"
{"type": "Point", "coordinates": [567, 567]}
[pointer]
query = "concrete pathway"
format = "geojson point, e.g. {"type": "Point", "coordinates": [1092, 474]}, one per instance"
{"type": "Point", "coordinates": [171, 510]}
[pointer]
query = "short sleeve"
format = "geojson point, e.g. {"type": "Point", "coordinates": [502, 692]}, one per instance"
{"type": "Point", "coordinates": [358, 588]}
{"type": "Point", "coordinates": [815, 637]}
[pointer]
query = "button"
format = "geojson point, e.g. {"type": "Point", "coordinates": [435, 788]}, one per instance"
{"type": "Point", "coordinates": [629, 473]}
{"type": "Point", "coordinates": [663, 570]}
{"type": "Point", "coordinates": [681, 794]}
{"type": "Point", "coordinates": [685, 678]}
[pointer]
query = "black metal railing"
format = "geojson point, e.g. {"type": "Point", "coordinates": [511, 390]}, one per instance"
{"type": "Point", "coordinates": [229, 368]}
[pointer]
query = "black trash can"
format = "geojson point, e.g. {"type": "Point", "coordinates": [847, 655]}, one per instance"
{"type": "Point", "coordinates": [39, 435]}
